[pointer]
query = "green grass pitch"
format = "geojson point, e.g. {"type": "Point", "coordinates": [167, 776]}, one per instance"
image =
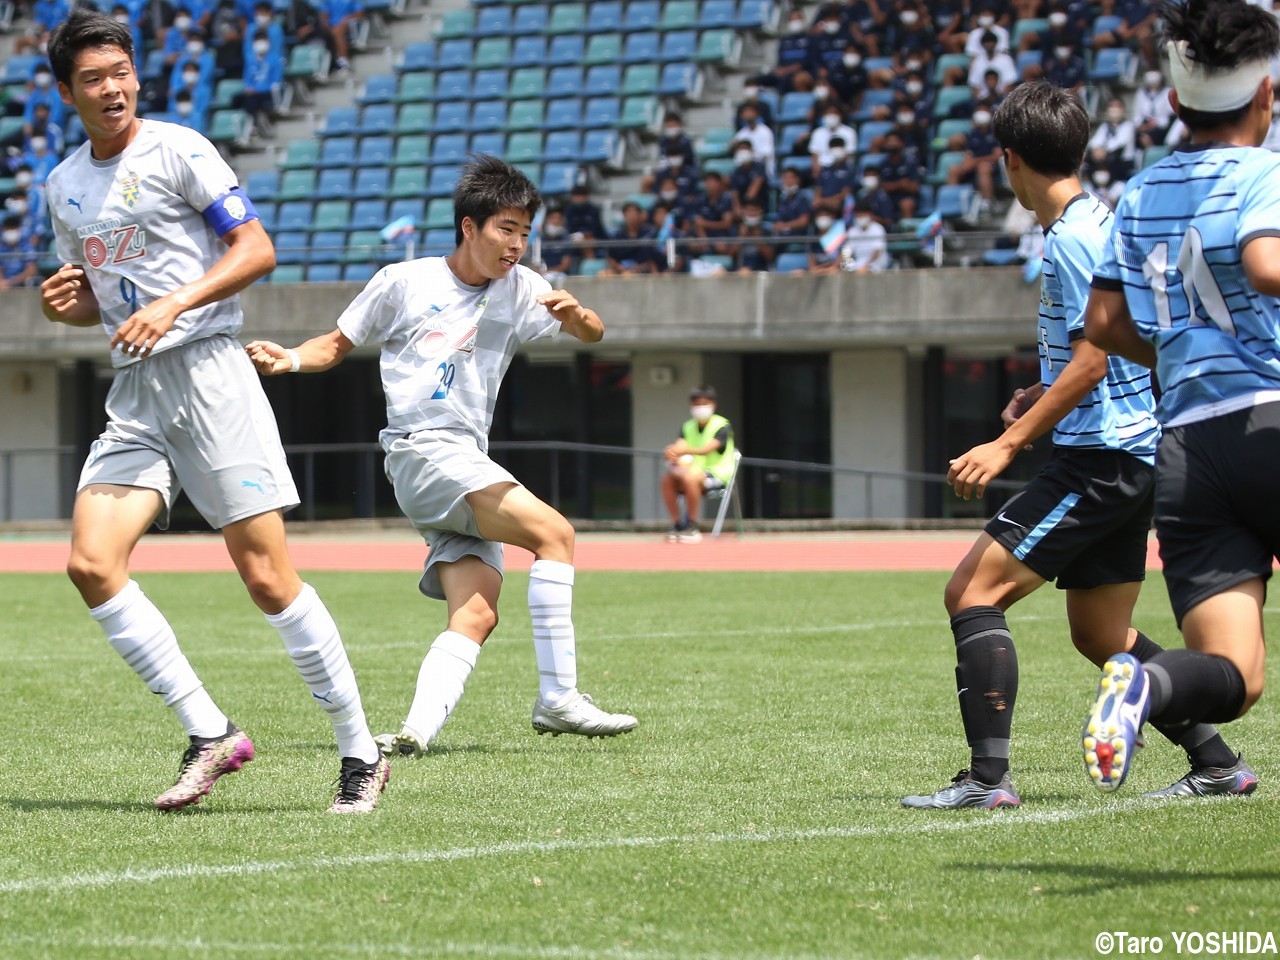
{"type": "Point", "coordinates": [753, 814]}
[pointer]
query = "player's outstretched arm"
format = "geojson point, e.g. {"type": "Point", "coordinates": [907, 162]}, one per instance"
{"type": "Point", "coordinates": [317, 354]}
{"type": "Point", "coordinates": [66, 297]}
{"type": "Point", "coordinates": [1109, 326]}
{"type": "Point", "coordinates": [249, 256]}
{"type": "Point", "coordinates": [1261, 258]}
{"type": "Point", "coordinates": [575, 319]}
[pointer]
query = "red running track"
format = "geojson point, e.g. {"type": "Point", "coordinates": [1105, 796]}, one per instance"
{"type": "Point", "coordinates": [887, 551]}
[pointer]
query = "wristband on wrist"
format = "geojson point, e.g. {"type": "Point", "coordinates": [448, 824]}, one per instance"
{"type": "Point", "coordinates": [295, 361]}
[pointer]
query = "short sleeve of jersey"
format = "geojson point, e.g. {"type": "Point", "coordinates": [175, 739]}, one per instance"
{"type": "Point", "coordinates": [1259, 214]}
{"type": "Point", "coordinates": [200, 175]}
{"type": "Point", "coordinates": [533, 321]}
{"type": "Point", "coordinates": [372, 314]}
{"type": "Point", "coordinates": [65, 241]}
{"type": "Point", "coordinates": [1073, 264]}
{"type": "Point", "coordinates": [1106, 272]}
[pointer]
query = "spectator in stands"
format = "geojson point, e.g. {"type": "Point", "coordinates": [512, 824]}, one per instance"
{"type": "Point", "coordinates": [17, 256]}
{"type": "Point", "coordinates": [45, 15]}
{"type": "Point", "coordinates": [847, 78]}
{"type": "Point", "coordinates": [154, 17]}
{"type": "Point", "coordinates": [793, 52]}
{"type": "Point", "coordinates": [1027, 9]}
{"type": "Point", "coordinates": [175, 36]}
{"type": "Point", "coordinates": [227, 38]}
{"type": "Point", "coordinates": [754, 257]}
{"type": "Point", "coordinates": [911, 91]}
{"type": "Point", "coordinates": [635, 252]}
{"type": "Point", "coordinates": [27, 204]}
{"type": "Point", "coordinates": [714, 217]}
{"type": "Point", "coordinates": [1066, 69]}
{"type": "Point", "coordinates": [582, 218]}
{"type": "Point", "coordinates": [1061, 32]}
{"type": "Point", "coordinates": [1117, 139]}
{"type": "Point", "coordinates": [901, 174]}
{"type": "Point", "coordinates": [304, 21]}
{"type": "Point", "coordinates": [42, 92]}
{"type": "Point", "coordinates": [195, 53]}
{"type": "Point", "coordinates": [264, 21]}
{"type": "Point", "coordinates": [883, 208]}
{"type": "Point", "coordinates": [1103, 184]}
{"type": "Point", "coordinates": [40, 126]}
{"type": "Point", "coordinates": [667, 226]}
{"type": "Point", "coordinates": [676, 156]}
{"type": "Point", "coordinates": [989, 57]}
{"type": "Point", "coordinates": [820, 141]}
{"type": "Point", "coordinates": [914, 39]}
{"type": "Point", "coordinates": [559, 258]}
{"type": "Point", "coordinates": [670, 197]}
{"type": "Point", "coordinates": [829, 41]}
{"type": "Point", "coordinates": [263, 78]}
{"type": "Point", "coordinates": [824, 259]}
{"type": "Point", "coordinates": [341, 17]}
{"type": "Point", "coordinates": [990, 95]}
{"type": "Point", "coordinates": [759, 136]}
{"type": "Point", "coordinates": [824, 97]}
{"type": "Point", "coordinates": [1136, 29]}
{"type": "Point", "coordinates": [911, 128]}
{"type": "Point", "coordinates": [186, 76]}
{"type": "Point", "coordinates": [981, 154]}
{"type": "Point", "coordinates": [984, 21]}
{"type": "Point", "coordinates": [833, 183]}
{"type": "Point", "coordinates": [794, 211]}
{"type": "Point", "coordinates": [749, 179]}
{"type": "Point", "coordinates": [39, 157]}
{"type": "Point", "coordinates": [1152, 111]}
{"type": "Point", "coordinates": [186, 114]}
{"type": "Point", "coordinates": [865, 248]}
{"type": "Point", "coordinates": [751, 97]}
{"type": "Point", "coordinates": [951, 23]}
{"type": "Point", "coordinates": [120, 12]}
{"type": "Point", "coordinates": [865, 22]}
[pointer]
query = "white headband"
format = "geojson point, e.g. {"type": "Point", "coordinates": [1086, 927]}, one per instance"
{"type": "Point", "coordinates": [1213, 92]}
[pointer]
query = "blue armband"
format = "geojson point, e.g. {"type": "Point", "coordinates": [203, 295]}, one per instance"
{"type": "Point", "coordinates": [229, 211]}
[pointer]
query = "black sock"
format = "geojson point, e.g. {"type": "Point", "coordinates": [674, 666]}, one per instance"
{"type": "Point", "coordinates": [1202, 742]}
{"type": "Point", "coordinates": [1187, 686]}
{"type": "Point", "coordinates": [987, 684]}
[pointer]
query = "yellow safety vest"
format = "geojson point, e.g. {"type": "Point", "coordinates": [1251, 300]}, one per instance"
{"type": "Point", "coordinates": [720, 463]}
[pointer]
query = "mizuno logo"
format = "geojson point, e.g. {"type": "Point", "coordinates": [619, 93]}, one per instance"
{"type": "Point", "coordinates": [75, 203]}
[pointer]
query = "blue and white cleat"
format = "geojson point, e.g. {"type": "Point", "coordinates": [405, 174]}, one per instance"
{"type": "Point", "coordinates": [967, 792]}
{"type": "Point", "coordinates": [1113, 731]}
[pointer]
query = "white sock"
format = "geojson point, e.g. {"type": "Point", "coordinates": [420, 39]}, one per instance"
{"type": "Point", "coordinates": [312, 640]}
{"type": "Point", "coordinates": [138, 631]}
{"type": "Point", "coordinates": [551, 609]}
{"type": "Point", "coordinates": [441, 678]}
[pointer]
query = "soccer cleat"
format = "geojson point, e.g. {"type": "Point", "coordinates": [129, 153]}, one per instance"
{"type": "Point", "coordinates": [402, 744]}
{"type": "Point", "coordinates": [690, 534]}
{"type": "Point", "coordinates": [968, 792]}
{"type": "Point", "coordinates": [1113, 730]}
{"type": "Point", "coordinates": [673, 535]}
{"type": "Point", "coordinates": [202, 764]}
{"type": "Point", "coordinates": [360, 785]}
{"type": "Point", "coordinates": [1237, 780]}
{"type": "Point", "coordinates": [582, 717]}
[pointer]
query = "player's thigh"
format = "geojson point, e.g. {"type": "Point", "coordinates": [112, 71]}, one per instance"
{"type": "Point", "coordinates": [1100, 618]}
{"type": "Point", "coordinates": [510, 513]}
{"type": "Point", "coordinates": [106, 523]}
{"type": "Point", "coordinates": [1229, 624]}
{"type": "Point", "coordinates": [471, 588]}
{"type": "Point", "coordinates": [989, 576]}
{"type": "Point", "coordinates": [259, 550]}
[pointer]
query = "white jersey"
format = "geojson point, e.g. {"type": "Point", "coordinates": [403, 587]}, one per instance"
{"type": "Point", "coordinates": [446, 345]}
{"type": "Point", "coordinates": [136, 224]}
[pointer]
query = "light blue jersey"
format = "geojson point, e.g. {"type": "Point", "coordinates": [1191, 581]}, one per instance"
{"type": "Point", "coordinates": [1175, 252]}
{"type": "Point", "coordinates": [1118, 413]}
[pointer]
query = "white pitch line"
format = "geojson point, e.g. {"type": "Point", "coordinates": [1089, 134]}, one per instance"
{"type": "Point", "coordinates": [79, 881]}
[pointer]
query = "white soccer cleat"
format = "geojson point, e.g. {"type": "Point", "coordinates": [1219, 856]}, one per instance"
{"type": "Point", "coordinates": [582, 717]}
{"type": "Point", "coordinates": [402, 744]}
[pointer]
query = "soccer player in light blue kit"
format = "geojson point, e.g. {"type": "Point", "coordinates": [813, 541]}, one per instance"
{"type": "Point", "coordinates": [1189, 287]}
{"type": "Point", "coordinates": [156, 239]}
{"type": "Point", "coordinates": [1083, 520]}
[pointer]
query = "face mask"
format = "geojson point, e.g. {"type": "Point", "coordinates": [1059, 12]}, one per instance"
{"type": "Point", "coordinates": [851, 60]}
{"type": "Point", "coordinates": [820, 93]}
{"type": "Point", "coordinates": [669, 195]}
{"type": "Point", "coordinates": [751, 92]}
{"type": "Point", "coordinates": [182, 24]}
{"type": "Point", "coordinates": [752, 221]}
{"type": "Point", "coordinates": [795, 26]}
{"type": "Point", "coordinates": [38, 144]}
{"type": "Point", "coordinates": [262, 47]}
{"type": "Point", "coordinates": [790, 190]}
{"type": "Point", "coordinates": [824, 223]}
{"type": "Point", "coordinates": [195, 47]}
{"type": "Point", "coordinates": [915, 88]}
{"type": "Point", "coordinates": [675, 161]}
{"type": "Point", "coordinates": [1114, 114]}
{"type": "Point", "coordinates": [263, 20]}
{"type": "Point", "coordinates": [909, 18]}
{"type": "Point", "coordinates": [43, 80]}
{"type": "Point", "coordinates": [190, 77]}
{"type": "Point", "coordinates": [839, 154]}
{"type": "Point", "coordinates": [913, 66]}
{"type": "Point", "coordinates": [986, 20]}
{"type": "Point", "coordinates": [16, 205]}
{"type": "Point", "coordinates": [981, 118]}
{"type": "Point", "coordinates": [1154, 78]}
{"type": "Point", "coordinates": [905, 119]}
{"type": "Point", "coordinates": [870, 183]}
{"type": "Point", "coordinates": [186, 108]}
{"type": "Point", "coordinates": [554, 231]}
{"type": "Point", "coordinates": [831, 121]}
{"type": "Point", "coordinates": [24, 178]}
{"type": "Point", "coordinates": [673, 132]}
{"type": "Point", "coordinates": [701, 411]}
{"type": "Point", "coordinates": [831, 27]}
{"type": "Point", "coordinates": [1101, 178]}
{"type": "Point", "coordinates": [121, 18]}
{"type": "Point", "coordinates": [1062, 53]}
{"type": "Point", "coordinates": [11, 237]}
{"type": "Point", "coordinates": [1058, 20]}
{"type": "Point", "coordinates": [742, 157]}
{"type": "Point", "coordinates": [863, 222]}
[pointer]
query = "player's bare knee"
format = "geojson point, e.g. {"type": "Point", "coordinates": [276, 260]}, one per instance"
{"type": "Point", "coordinates": [88, 574]}
{"type": "Point", "coordinates": [477, 622]}
{"type": "Point", "coordinates": [556, 534]}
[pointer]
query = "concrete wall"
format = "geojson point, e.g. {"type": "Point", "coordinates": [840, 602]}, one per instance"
{"type": "Point", "coordinates": [31, 485]}
{"type": "Point", "coordinates": [871, 430]}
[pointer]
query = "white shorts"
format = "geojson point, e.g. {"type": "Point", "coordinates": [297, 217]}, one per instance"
{"type": "Point", "coordinates": [432, 473]}
{"type": "Point", "coordinates": [194, 417]}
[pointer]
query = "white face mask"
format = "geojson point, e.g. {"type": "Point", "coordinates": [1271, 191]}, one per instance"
{"type": "Point", "coordinates": [1101, 178]}
{"type": "Point", "coordinates": [909, 18]}
{"type": "Point", "coordinates": [915, 88]}
{"type": "Point", "coordinates": [752, 221]}
{"type": "Point", "coordinates": [1153, 78]}
{"type": "Point", "coordinates": [905, 119]}
{"type": "Point", "coordinates": [986, 20]}
{"type": "Point", "coordinates": [839, 154]}
{"type": "Point", "coordinates": [673, 132]}
{"type": "Point", "coordinates": [823, 223]}
{"type": "Point", "coordinates": [38, 144]}
{"type": "Point", "coordinates": [190, 77]}
{"type": "Point", "coordinates": [186, 108]}
{"type": "Point", "coordinates": [675, 161]}
{"type": "Point", "coordinates": [751, 92]}
{"type": "Point", "coordinates": [870, 183]}
{"type": "Point", "coordinates": [43, 80]}
{"type": "Point", "coordinates": [24, 178]}
{"type": "Point", "coordinates": [195, 47]}
{"type": "Point", "coordinates": [1062, 53]}
{"type": "Point", "coordinates": [789, 189]}
{"type": "Point", "coordinates": [913, 66]}
{"type": "Point", "coordinates": [831, 120]}
{"type": "Point", "coordinates": [701, 411]}
{"type": "Point", "coordinates": [742, 157]}
{"type": "Point", "coordinates": [554, 231]}
{"type": "Point", "coordinates": [16, 205]}
{"type": "Point", "coordinates": [1114, 114]}
{"type": "Point", "coordinates": [820, 93]}
{"type": "Point", "coordinates": [121, 18]}
{"type": "Point", "coordinates": [981, 118]}
{"type": "Point", "coordinates": [669, 195]}
{"type": "Point", "coordinates": [182, 24]}
{"type": "Point", "coordinates": [1058, 20]}
{"type": "Point", "coordinates": [11, 237]}
{"type": "Point", "coordinates": [795, 26]}
{"type": "Point", "coordinates": [831, 27]}
{"type": "Point", "coordinates": [862, 221]}
{"type": "Point", "coordinates": [852, 60]}
{"type": "Point", "coordinates": [263, 20]}
{"type": "Point", "coordinates": [262, 47]}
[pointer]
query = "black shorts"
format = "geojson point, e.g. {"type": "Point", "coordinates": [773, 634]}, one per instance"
{"type": "Point", "coordinates": [1083, 520]}
{"type": "Point", "coordinates": [1217, 509]}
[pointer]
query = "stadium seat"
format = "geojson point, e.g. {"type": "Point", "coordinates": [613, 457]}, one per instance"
{"type": "Point", "coordinates": [294, 215]}
{"type": "Point", "coordinates": [378, 119]}
{"type": "Point", "coordinates": [946, 160]}
{"type": "Point", "coordinates": [531, 170]}
{"type": "Point", "coordinates": [414, 118]}
{"type": "Point", "coordinates": [565, 81]}
{"type": "Point", "coordinates": [602, 146]}
{"type": "Point", "coordinates": [530, 19]}
{"type": "Point", "coordinates": [716, 14]}
{"type": "Point", "coordinates": [605, 48]}
{"type": "Point", "coordinates": [489, 84]}
{"type": "Point", "coordinates": [17, 72]}
{"type": "Point", "coordinates": [438, 243]}
{"type": "Point", "coordinates": [679, 15]}
{"type": "Point", "coordinates": [297, 185]}
{"type": "Point", "coordinates": [640, 113]}
{"type": "Point", "coordinates": [327, 246]}
{"type": "Point", "coordinates": [558, 179]}
{"type": "Point", "coordinates": [719, 47]}
{"type": "Point", "coordinates": [324, 272]}
{"type": "Point", "coordinates": [358, 272]}
{"type": "Point", "coordinates": [340, 122]}
{"type": "Point", "coordinates": [380, 88]}
{"type": "Point", "coordinates": [642, 47]}
{"type": "Point", "coordinates": [291, 247]}
{"type": "Point", "coordinates": [414, 208]}
{"type": "Point", "coordinates": [789, 261]}
{"type": "Point", "coordinates": [443, 180]}
{"type": "Point", "coordinates": [527, 82]}
{"type": "Point", "coordinates": [1115, 65]}
{"type": "Point", "coordinates": [795, 107]}
{"type": "Point", "coordinates": [263, 184]}
{"type": "Point", "coordinates": [871, 99]}
{"type": "Point", "coordinates": [266, 215]}
{"type": "Point", "coordinates": [230, 126]}
{"type": "Point", "coordinates": [949, 61]}
{"type": "Point", "coordinates": [756, 15]}
{"type": "Point", "coordinates": [868, 160]}
{"type": "Point", "coordinates": [715, 142]}
{"type": "Point", "coordinates": [455, 54]}
{"type": "Point", "coordinates": [309, 63]}
{"type": "Point", "coordinates": [601, 112]}
{"type": "Point", "coordinates": [362, 246]}
{"type": "Point", "coordinates": [1027, 59]}
{"type": "Point", "coordinates": [563, 113]}
{"type": "Point", "coordinates": [332, 215]}
{"type": "Point", "coordinates": [604, 80]}
{"type": "Point", "coordinates": [333, 183]}
{"type": "Point", "coordinates": [640, 79]}
{"type": "Point", "coordinates": [567, 48]}
{"type": "Point", "coordinates": [567, 18]}
{"type": "Point", "coordinates": [493, 143]}
{"type": "Point", "coordinates": [288, 272]}
{"type": "Point", "coordinates": [949, 97]}
{"type": "Point", "coordinates": [457, 23]}
{"type": "Point", "coordinates": [369, 214]}
{"type": "Point", "coordinates": [721, 165]}
{"type": "Point", "coordinates": [453, 85]}
{"type": "Point", "coordinates": [375, 152]}
{"type": "Point", "coordinates": [1104, 24]}
{"type": "Point", "coordinates": [642, 15]}
{"type": "Point", "coordinates": [301, 155]}
{"type": "Point", "coordinates": [488, 115]}
{"type": "Point", "coordinates": [493, 21]}
{"type": "Point", "coordinates": [416, 88]}
{"type": "Point", "coordinates": [590, 266]}
{"type": "Point", "coordinates": [681, 81]}
{"type": "Point", "coordinates": [604, 16]}
{"type": "Point", "coordinates": [418, 56]}
{"type": "Point", "coordinates": [225, 93]}
{"type": "Point", "coordinates": [946, 129]}
{"type": "Point", "coordinates": [563, 145]}
{"type": "Point", "coordinates": [529, 51]}
{"type": "Point", "coordinates": [953, 200]}
{"type": "Point", "coordinates": [411, 150]}
{"type": "Point", "coordinates": [439, 214]}
{"type": "Point", "coordinates": [491, 53]}
{"type": "Point", "coordinates": [408, 182]}
{"type": "Point", "coordinates": [525, 115]}
{"type": "Point", "coordinates": [449, 148]}
{"type": "Point", "coordinates": [1027, 25]}
{"type": "Point", "coordinates": [790, 134]}
{"type": "Point", "coordinates": [868, 130]}
{"type": "Point", "coordinates": [524, 147]}
{"type": "Point", "coordinates": [679, 45]}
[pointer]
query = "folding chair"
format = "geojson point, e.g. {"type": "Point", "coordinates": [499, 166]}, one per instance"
{"type": "Point", "coordinates": [725, 494]}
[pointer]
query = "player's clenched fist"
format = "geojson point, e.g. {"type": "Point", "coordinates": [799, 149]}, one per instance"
{"type": "Point", "coordinates": [269, 358]}
{"type": "Point", "coordinates": [66, 297]}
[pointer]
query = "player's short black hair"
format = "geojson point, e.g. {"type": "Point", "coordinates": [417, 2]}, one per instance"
{"type": "Point", "coordinates": [1221, 35]}
{"type": "Point", "coordinates": [488, 185]}
{"type": "Point", "coordinates": [1045, 125]}
{"type": "Point", "coordinates": [83, 30]}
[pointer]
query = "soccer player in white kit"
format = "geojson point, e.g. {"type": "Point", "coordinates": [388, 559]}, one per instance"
{"type": "Point", "coordinates": [156, 240]}
{"type": "Point", "coordinates": [448, 328]}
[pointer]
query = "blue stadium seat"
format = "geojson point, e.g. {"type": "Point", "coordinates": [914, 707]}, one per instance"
{"type": "Point", "coordinates": [602, 112]}
{"type": "Point", "coordinates": [716, 14]}
{"type": "Point", "coordinates": [380, 88]}
{"type": "Point", "coordinates": [294, 215]}
{"type": "Point", "coordinates": [449, 148]}
{"type": "Point", "coordinates": [378, 119]}
{"type": "Point", "coordinates": [790, 134]}
{"type": "Point", "coordinates": [567, 48]}
{"type": "Point", "coordinates": [874, 64]}
{"type": "Point", "coordinates": [868, 159]}
{"type": "Point", "coordinates": [868, 130]}
{"type": "Point", "coordinates": [358, 272]}
{"type": "Point", "coordinates": [438, 243]}
{"type": "Point", "coordinates": [153, 68]}
{"type": "Point", "coordinates": [756, 15]}
{"type": "Point", "coordinates": [324, 272]}
{"type": "Point", "coordinates": [529, 51]}
{"type": "Point", "coordinates": [1028, 58]}
{"type": "Point", "coordinates": [454, 54]}
{"type": "Point", "coordinates": [340, 122]}
{"type": "Point", "coordinates": [530, 19]}
{"type": "Point", "coordinates": [451, 117]}
{"type": "Point", "coordinates": [563, 145]}
{"type": "Point", "coordinates": [414, 208]}
{"type": "Point", "coordinates": [1104, 24]}
{"type": "Point", "coordinates": [266, 215]}
{"type": "Point", "coordinates": [604, 16]}
{"type": "Point", "coordinates": [418, 56]}
{"type": "Point", "coordinates": [604, 79]}
{"type": "Point", "coordinates": [679, 80]}
{"type": "Point", "coordinates": [642, 47]}
{"type": "Point", "coordinates": [871, 99]}
{"type": "Point", "coordinates": [564, 81]}
{"type": "Point", "coordinates": [794, 107]}
{"type": "Point", "coordinates": [493, 22]}
{"type": "Point", "coordinates": [789, 261]}
{"type": "Point", "coordinates": [642, 15]}
{"type": "Point", "coordinates": [371, 182]}
{"type": "Point", "coordinates": [334, 183]}
{"type": "Point", "coordinates": [601, 146]}
{"type": "Point", "coordinates": [453, 85]}
{"type": "Point", "coordinates": [291, 247]}
{"type": "Point", "coordinates": [262, 184]}
{"type": "Point", "coordinates": [327, 246]}
{"type": "Point", "coordinates": [1116, 64]}
{"type": "Point", "coordinates": [442, 181]}
{"type": "Point", "coordinates": [488, 115]}
{"type": "Point", "coordinates": [558, 179]}
{"type": "Point", "coordinates": [953, 199]}
{"type": "Point", "coordinates": [494, 144]}
{"type": "Point", "coordinates": [563, 113]}
{"type": "Point", "coordinates": [375, 152]}
{"type": "Point", "coordinates": [679, 45]}
{"type": "Point", "coordinates": [489, 84]}
{"type": "Point", "coordinates": [369, 214]}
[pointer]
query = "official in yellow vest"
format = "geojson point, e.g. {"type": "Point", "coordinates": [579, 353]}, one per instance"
{"type": "Point", "coordinates": [701, 460]}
